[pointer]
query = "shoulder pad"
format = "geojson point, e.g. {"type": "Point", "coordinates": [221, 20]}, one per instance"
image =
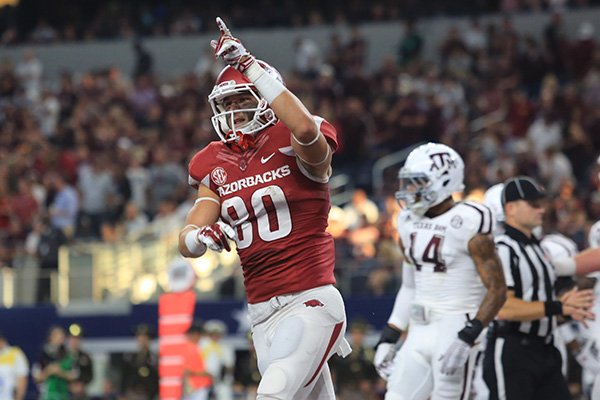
{"type": "Point", "coordinates": [199, 167]}
{"type": "Point", "coordinates": [559, 246]}
{"type": "Point", "coordinates": [479, 215]}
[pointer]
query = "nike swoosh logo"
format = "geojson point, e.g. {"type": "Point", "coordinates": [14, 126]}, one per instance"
{"type": "Point", "coordinates": [263, 160]}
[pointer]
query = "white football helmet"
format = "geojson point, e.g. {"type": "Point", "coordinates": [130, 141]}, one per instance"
{"type": "Point", "coordinates": [558, 246]}
{"type": "Point", "coordinates": [232, 82]}
{"type": "Point", "coordinates": [431, 174]}
{"type": "Point", "coordinates": [493, 199]}
{"type": "Point", "coordinates": [594, 235]}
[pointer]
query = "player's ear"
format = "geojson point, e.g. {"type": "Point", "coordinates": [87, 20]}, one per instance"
{"type": "Point", "coordinates": [509, 208]}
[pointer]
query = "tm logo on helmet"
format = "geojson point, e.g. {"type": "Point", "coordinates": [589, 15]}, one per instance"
{"type": "Point", "coordinates": [440, 160]}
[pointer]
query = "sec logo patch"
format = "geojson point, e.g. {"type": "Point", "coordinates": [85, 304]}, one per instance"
{"type": "Point", "coordinates": [218, 176]}
{"type": "Point", "coordinates": [456, 222]}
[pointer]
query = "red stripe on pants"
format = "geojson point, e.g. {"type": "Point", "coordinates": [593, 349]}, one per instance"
{"type": "Point", "coordinates": [334, 336]}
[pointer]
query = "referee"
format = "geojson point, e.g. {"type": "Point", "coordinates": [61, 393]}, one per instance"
{"type": "Point", "coordinates": [521, 361]}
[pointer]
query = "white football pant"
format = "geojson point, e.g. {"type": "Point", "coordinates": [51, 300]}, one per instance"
{"type": "Point", "coordinates": [294, 336]}
{"type": "Point", "coordinates": [416, 374]}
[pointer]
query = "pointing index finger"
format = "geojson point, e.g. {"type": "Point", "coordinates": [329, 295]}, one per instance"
{"type": "Point", "coordinates": [222, 27]}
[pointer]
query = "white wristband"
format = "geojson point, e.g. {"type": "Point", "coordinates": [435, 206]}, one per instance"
{"type": "Point", "coordinates": [199, 199]}
{"type": "Point", "coordinates": [565, 266]}
{"type": "Point", "coordinates": [268, 86]}
{"type": "Point", "coordinates": [313, 141]}
{"type": "Point", "coordinates": [319, 162]}
{"type": "Point", "coordinates": [254, 71]}
{"type": "Point", "coordinates": [194, 246]}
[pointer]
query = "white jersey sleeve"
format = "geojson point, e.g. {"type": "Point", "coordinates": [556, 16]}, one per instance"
{"type": "Point", "coordinates": [492, 199]}
{"type": "Point", "coordinates": [594, 235]}
{"type": "Point", "coordinates": [401, 311]}
{"type": "Point", "coordinates": [479, 219]}
{"type": "Point", "coordinates": [559, 246]}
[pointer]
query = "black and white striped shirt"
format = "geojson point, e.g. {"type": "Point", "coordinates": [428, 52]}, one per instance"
{"type": "Point", "coordinates": [529, 272]}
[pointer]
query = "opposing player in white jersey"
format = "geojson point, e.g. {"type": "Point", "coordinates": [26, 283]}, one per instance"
{"type": "Point", "coordinates": [589, 356]}
{"type": "Point", "coordinates": [453, 284]}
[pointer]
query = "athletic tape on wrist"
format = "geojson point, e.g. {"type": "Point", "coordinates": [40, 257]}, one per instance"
{"type": "Point", "coordinates": [194, 246]}
{"type": "Point", "coordinates": [267, 86]}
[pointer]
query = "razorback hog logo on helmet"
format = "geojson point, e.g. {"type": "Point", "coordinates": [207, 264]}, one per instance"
{"type": "Point", "coordinates": [219, 176]}
{"type": "Point", "coordinates": [440, 160]}
{"type": "Point", "coordinates": [313, 303]}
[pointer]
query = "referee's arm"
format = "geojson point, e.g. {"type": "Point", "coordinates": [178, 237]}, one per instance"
{"type": "Point", "coordinates": [516, 309]}
{"type": "Point", "coordinates": [574, 304]}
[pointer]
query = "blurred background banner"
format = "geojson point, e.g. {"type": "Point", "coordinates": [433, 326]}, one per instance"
{"type": "Point", "coordinates": [175, 315]}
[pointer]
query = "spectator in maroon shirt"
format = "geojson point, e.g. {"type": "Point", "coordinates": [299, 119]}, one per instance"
{"type": "Point", "coordinates": [582, 51]}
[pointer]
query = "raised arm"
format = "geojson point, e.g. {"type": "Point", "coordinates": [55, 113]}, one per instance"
{"type": "Point", "coordinates": [308, 142]}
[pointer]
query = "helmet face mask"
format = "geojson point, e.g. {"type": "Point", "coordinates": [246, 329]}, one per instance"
{"type": "Point", "coordinates": [252, 113]}
{"type": "Point", "coordinates": [413, 189]}
{"type": "Point", "coordinates": [431, 174]}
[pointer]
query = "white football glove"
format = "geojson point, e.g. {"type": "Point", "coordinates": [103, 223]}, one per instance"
{"type": "Point", "coordinates": [230, 49]}
{"type": "Point", "coordinates": [589, 357]}
{"type": "Point", "coordinates": [384, 359]}
{"type": "Point", "coordinates": [216, 236]}
{"type": "Point", "coordinates": [455, 357]}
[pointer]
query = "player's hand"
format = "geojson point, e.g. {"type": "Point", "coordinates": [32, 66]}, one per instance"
{"type": "Point", "coordinates": [230, 49]}
{"type": "Point", "coordinates": [577, 304]}
{"type": "Point", "coordinates": [455, 357]}
{"type": "Point", "coordinates": [578, 314]}
{"type": "Point", "coordinates": [384, 359]}
{"type": "Point", "coordinates": [216, 236]}
{"type": "Point", "coordinates": [578, 298]}
{"type": "Point", "coordinates": [589, 356]}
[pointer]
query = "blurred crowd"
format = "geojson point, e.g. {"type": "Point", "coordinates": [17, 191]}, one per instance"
{"type": "Point", "coordinates": [102, 155]}
{"type": "Point", "coordinates": [29, 21]}
{"type": "Point", "coordinates": [62, 369]}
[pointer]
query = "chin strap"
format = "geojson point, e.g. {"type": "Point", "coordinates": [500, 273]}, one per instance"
{"type": "Point", "coordinates": [244, 142]}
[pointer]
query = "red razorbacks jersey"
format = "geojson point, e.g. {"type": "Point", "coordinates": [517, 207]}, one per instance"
{"type": "Point", "coordinates": [278, 212]}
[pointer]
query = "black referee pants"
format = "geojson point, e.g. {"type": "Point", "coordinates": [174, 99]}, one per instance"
{"type": "Point", "coordinates": [521, 367]}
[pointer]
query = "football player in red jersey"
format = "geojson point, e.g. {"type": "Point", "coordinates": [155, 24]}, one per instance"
{"type": "Point", "coordinates": [264, 185]}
